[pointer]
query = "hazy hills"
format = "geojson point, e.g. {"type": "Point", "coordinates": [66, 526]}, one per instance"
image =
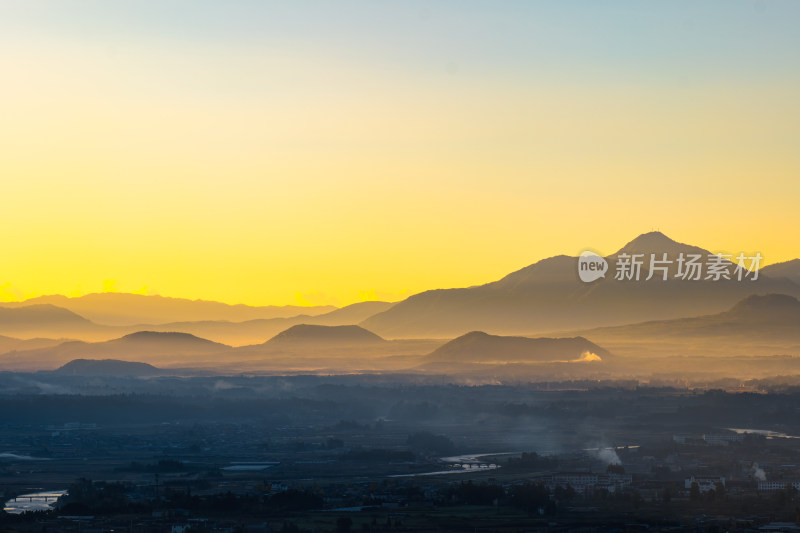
{"type": "Point", "coordinates": [123, 309]}
{"type": "Point", "coordinates": [306, 347]}
{"type": "Point", "coordinates": [542, 297]}
{"type": "Point", "coordinates": [770, 317]}
{"type": "Point", "coordinates": [351, 348]}
{"type": "Point", "coordinates": [47, 320]}
{"type": "Point", "coordinates": [548, 295]}
{"type": "Point", "coordinates": [145, 346]}
{"type": "Point", "coordinates": [482, 328]}
{"type": "Point", "coordinates": [258, 331]}
{"type": "Point", "coordinates": [758, 325]}
{"type": "Point", "coordinates": [300, 348]}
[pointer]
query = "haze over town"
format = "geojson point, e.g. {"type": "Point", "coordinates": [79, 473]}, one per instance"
{"type": "Point", "coordinates": [399, 266]}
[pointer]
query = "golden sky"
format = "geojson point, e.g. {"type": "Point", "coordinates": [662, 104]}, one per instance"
{"type": "Point", "coordinates": [316, 153]}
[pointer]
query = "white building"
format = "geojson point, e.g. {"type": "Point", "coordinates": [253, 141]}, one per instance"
{"type": "Point", "coordinates": [705, 484]}
{"type": "Point", "coordinates": [772, 486]}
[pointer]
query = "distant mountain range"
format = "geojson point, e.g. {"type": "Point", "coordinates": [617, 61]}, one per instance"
{"type": "Point", "coordinates": [544, 297]}
{"type": "Point", "coordinates": [446, 326]}
{"type": "Point", "coordinates": [549, 296]}
{"type": "Point", "coordinates": [47, 320]}
{"type": "Point", "coordinates": [756, 325]}
{"type": "Point", "coordinates": [757, 318]}
{"type": "Point", "coordinates": [123, 309]}
{"type": "Point", "coordinates": [144, 346]}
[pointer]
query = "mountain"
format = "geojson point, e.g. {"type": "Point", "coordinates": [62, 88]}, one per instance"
{"type": "Point", "coordinates": [480, 347]}
{"type": "Point", "coordinates": [306, 334]}
{"type": "Point", "coordinates": [549, 296]}
{"type": "Point", "coordinates": [123, 309]}
{"type": "Point", "coordinates": [107, 368]}
{"type": "Point", "coordinates": [787, 269]}
{"type": "Point", "coordinates": [174, 342]}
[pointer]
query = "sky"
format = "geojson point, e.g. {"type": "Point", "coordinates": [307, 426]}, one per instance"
{"type": "Point", "coordinates": [332, 152]}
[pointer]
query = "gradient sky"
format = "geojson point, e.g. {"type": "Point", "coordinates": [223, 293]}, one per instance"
{"type": "Point", "coordinates": [331, 152]}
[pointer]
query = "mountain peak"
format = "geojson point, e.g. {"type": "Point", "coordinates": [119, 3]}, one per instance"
{"type": "Point", "coordinates": [652, 237]}
{"type": "Point", "coordinates": [655, 242]}
{"type": "Point", "coordinates": [40, 314]}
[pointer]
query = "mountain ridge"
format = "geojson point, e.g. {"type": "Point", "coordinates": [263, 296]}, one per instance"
{"type": "Point", "coordinates": [129, 309]}
{"type": "Point", "coordinates": [548, 296]}
{"type": "Point", "coordinates": [756, 318]}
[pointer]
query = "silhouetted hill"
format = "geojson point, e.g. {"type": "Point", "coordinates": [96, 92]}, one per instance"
{"type": "Point", "coordinates": [184, 342]}
{"type": "Point", "coordinates": [549, 295]}
{"type": "Point", "coordinates": [108, 368]}
{"type": "Point", "coordinates": [480, 347]}
{"type": "Point", "coordinates": [324, 335]}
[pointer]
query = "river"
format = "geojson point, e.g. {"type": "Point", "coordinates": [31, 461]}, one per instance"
{"type": "Point", "coordinates": [764, 432]}
{"type": "Point", "coordinates": [463, 464]}
{"type": "Point", "coordinates": [34, 501]}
